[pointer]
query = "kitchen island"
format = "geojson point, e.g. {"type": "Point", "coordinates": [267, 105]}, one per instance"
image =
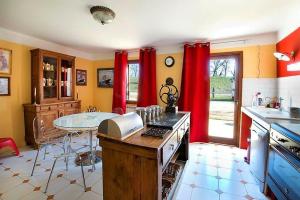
{"type": "Point", "coordinates": [137, 167]}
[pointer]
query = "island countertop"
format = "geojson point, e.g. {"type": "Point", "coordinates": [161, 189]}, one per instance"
{"type": "Point", "coordinates": [149, 142]}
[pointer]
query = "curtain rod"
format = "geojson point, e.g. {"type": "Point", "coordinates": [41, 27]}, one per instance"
{"type": "Point", "coordinates": [212, 43]}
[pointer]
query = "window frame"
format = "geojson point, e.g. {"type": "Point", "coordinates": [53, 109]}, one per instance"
{"type": "Point", "coordinates": [136, 61]}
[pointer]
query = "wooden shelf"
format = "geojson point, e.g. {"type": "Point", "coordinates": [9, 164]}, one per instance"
{"type": "Point", "coordinates": [174, 185]}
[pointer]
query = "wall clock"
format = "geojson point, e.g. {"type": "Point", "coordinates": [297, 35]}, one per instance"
{"type": "Point", "coordinates": [169, 61]}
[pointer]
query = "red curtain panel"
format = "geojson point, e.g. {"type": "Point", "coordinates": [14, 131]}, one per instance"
{"type": "Point", "coordinates": [119, 91]}
{"type": "Point", "coordinates": [147, 94]}
{"type": "Point", "coordinates": [194, 93]}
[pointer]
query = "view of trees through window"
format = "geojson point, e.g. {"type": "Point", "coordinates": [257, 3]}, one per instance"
{"type": "Point", "coordinates": [132, 81]}
{"type": "Point", "coordinates": [222, 92]}
{"type": "Point", "coordinates": [222, 75]}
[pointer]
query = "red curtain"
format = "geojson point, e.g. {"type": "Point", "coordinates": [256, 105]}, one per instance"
{"type": "Point", "coordinates": [147, 94]}
{"type": "Point", "coordinates": [194, 93]}
{"type": "Point", "coordinates": [119, 92]}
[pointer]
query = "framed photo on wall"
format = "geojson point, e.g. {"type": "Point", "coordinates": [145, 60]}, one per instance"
{"type": "Point", "coordinates": [105, 77]}
{"type": "Point", "coordinates": [81, 77]}
{"type": "Point", "coordinates": [4, 86]}
{"type": "Point", "coordinates": [5, 61]}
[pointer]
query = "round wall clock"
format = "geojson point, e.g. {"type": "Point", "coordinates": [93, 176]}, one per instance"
{"type": "Point", "coordinates": [169, 61]}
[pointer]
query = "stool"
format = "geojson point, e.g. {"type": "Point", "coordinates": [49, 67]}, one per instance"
{"type": "Point", "coordinates": [9, 142]}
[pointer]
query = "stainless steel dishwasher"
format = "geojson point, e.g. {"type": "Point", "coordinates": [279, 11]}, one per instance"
{"type": "Point", "coordinates": [259, 153]}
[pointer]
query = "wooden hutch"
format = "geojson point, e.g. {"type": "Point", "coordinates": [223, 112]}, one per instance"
{"type": "Point", "coordinates": [52, 90]}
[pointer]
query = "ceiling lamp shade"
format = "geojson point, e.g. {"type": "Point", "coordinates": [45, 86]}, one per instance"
{"type": "Point", "coordinates": [102, 14]}
{"type": "Point", "coordinates": [284, 56]}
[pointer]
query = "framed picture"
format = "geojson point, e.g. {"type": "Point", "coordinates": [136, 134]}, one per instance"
{"type": "Point", "coordinates": [4, 86]}
{"type": "Point", "coordinates": [5, 61]}
{"type": "Point", "coordinates": [105, 77]}
{"type": "Point", "coordinates": [81, 77]}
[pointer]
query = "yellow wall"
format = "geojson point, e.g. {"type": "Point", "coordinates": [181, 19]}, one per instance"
{"type": "Point", "coordinates": [85, 93]}
{"type": "Point", "coordinates": [255, 59]}
{"type": "Point", "coordinates": [11, 107]}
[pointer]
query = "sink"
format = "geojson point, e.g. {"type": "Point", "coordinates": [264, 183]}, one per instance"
{"type": "Point", "coordinates": [271, 113]}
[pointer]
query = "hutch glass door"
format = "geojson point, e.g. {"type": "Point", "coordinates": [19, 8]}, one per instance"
{"type": "Point", "coordinates": [49, 77]}
{"type": "Point", "coordinates": [66, 78]}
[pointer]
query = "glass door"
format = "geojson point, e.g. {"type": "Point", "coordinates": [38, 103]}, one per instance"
{"type": "Point", "coordinates": [225, 79]}
{"type": "Point", "coordinates": [49, 78]}
{"type": "Point", "coordinates": [66, 78]}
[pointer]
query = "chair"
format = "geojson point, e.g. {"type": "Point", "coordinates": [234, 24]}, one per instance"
{"type": "Point", "coordinates": [43, 141]}
{"type": "Point", "coordinates": [54, 139]}
{"type": "Point", "coordinates": [9, 142]}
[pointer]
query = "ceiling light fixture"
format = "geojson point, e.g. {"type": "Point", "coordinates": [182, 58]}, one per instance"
{"type": "Point", "coordinates": [284, 56]}
{"type": "Point", "coordinates": [102, 14]}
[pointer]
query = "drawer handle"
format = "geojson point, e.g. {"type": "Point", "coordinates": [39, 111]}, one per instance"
{"type": "Point", "coordinates": [172, 146]}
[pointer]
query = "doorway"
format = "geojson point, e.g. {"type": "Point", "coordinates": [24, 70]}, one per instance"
{"type": "Point", "coordinates": [225, 97]}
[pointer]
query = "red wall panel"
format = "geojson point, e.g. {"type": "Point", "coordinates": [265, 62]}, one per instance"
{"type": "Point", "coordinates": [246, 122]}
{"type": "Point", "coordinates": [286, 45]}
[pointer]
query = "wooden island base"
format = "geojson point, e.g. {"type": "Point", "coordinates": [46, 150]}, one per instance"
{"type": "Point", "coordinates": [143, 167]}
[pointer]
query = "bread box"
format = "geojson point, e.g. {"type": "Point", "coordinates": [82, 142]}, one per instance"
{"type": "Point", "coordinates": [121, 127]}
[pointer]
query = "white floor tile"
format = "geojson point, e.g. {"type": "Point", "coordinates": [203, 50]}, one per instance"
{"type": "Point", "coordinates": [90, 196]}
{"type": "Point", "coordinates": [204, 194]}
{"type": "Point", "coordinates": [72, 191]}
{"type": "Point", "coordinates": [232, 187]}
{"type": "Point", "coordinates": [253, 190]}
{"type": "Point", "coordinates": [248, 177]}
{"type": "Point", "coordinates": [183, 192]}
{"type": "Point", "coordinates": [230, 174]}
{"type": "Point", "coordinates": [18, 192]}
{"type": "Point", "coordinates": [208, 182]}
{"type": "Point", "coordinates": [225, 196]}
{"type": "Point", "coordinates": [9, 183]}
{"type": "Point", "coordinates": [56, 185]}
{"type": "Point", "coordinates": [98, 187]}
{"type": "Point", "coordinates": [35, 196]}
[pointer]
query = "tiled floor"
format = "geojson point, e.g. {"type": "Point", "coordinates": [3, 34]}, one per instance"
{"type": "Point", "coordinates": [217, 172]}
{"type": "Point", "coordinates": [214, 172]}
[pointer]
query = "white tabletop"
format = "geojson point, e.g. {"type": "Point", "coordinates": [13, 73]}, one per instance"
{"type": "Point", "coordinates": [83, 121]}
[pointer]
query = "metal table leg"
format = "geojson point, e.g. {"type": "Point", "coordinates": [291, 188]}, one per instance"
{"type": "Point", "coordinates": [91, 150]}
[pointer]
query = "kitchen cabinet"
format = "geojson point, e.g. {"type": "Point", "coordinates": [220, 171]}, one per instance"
{"type": "Point", "coordinates": [48, 113]}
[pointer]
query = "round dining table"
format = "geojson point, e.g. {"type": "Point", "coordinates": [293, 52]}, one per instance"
{"type": "Point", "coordinates": [83, 122]}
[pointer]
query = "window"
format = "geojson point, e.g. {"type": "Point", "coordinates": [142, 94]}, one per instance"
{"type": "Point", "coordinates": [132, 81]}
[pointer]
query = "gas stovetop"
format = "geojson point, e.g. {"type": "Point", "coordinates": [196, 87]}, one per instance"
{"type": "Point", "coordinates": [287, 135]}
{"type": "Point", "coordinates": [293, 127]}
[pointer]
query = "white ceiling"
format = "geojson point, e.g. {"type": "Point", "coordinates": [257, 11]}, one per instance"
{"type": "Point", "coordinates": [140, 23]}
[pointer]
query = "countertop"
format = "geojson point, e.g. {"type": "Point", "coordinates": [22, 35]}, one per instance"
{"type": "Point", "coordinates": [255, 114]}
{"type": "Point", "coordinates": [143, 141]}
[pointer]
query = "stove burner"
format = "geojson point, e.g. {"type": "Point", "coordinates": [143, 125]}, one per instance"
{"type": "Point", "coordinates": [155, 132]}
